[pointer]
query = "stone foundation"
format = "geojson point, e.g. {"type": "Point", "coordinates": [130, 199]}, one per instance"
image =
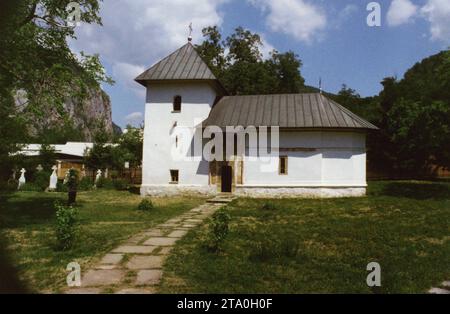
{"type": "Point", "coordinates": [304, 192]}
{"type": "Point", "coordinates": [256, 192]}
{"type": "Point", "coordinates": [174, 190]}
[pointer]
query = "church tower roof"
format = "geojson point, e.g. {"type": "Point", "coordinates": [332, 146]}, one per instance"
{"type": "Point", "coordinates": [185, 64]}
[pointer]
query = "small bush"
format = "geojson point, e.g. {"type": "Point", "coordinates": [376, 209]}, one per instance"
{"type": "Point", "coordinates": [104, 183]}
{"type": "Point", "coordinates": [42, 180]}
{"type": "Point", "coordinates": [145, 205]}
{"type": "Point", "coordinates": [268, 206]}
{"type": "Point", "coordinates": [30, 187]}
{"type": "Point", "coordinates": [85, 184]}
{"type": "Point", "coordinates": [120, 184]}
{"type": "Point", "coordinates": [65, 226]}
{"type": "Point", "coordinates": [9, 186]}
{"type": "Point", "coordinates": [218, 230]}
{"type": "Point", "coordinates": [61, 187]}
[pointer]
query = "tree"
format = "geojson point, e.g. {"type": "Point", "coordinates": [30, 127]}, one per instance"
{"type": "Point", "coordinates": [131, 144]}
{"type": "Point", "coordinates": [286, 67]}
{"type": "Point", "coordinates": [38, 71]}
{"type": "Point", "coordinates": [242, 69]}
{"type": "Point", "coordinates": [212, 50]}
{"type": "Point", "coordinates": [419, 134]}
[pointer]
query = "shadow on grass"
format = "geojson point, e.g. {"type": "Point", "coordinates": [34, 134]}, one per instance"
{"type": "Point", "coordinates": [418, 191]}
{"type": "Point", "coordinates": [9, 280]}
{"type": "Point", "coordinates": [23, 211]}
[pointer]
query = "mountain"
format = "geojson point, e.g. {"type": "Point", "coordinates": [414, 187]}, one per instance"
{"type": "Point", "coordinates": [77, 121]}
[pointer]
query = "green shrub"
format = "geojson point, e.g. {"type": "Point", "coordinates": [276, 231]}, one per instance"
{"type": "Point", "coordinates": [120, 184]}
{"type": "Point", "coordinates": [145, 205]}
{"type": "Point", "coordinates": [86, 184]}
{"type": "Point", "coordinates": [218, 230]}
{"type": "Point", "coordinates": [65, 227]}
{"type": "Point", "coordinates": [9, 186]}
{"type": "Point", "coordinates": [61, 187]}
{"type": "Point", "coordinates": [42, 179]}
{"type": "Point", "coordinates": [268, 206]}
{"type": "Point", "coordinates": [104, 183]}
{"type": "Point", "coordinates": [30, 187]}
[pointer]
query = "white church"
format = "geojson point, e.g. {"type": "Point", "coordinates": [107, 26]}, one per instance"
{"type": "Point", "coordinates": [317, 147]}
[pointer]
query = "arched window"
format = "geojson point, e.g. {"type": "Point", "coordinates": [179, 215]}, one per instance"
{"type": "Point", "coordinates": [177, 104]}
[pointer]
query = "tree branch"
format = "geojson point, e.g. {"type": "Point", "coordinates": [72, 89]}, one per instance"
{"type": "Point", "coordinates": [31, 14]}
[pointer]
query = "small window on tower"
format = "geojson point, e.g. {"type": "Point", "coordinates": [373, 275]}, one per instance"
{"type": "Point", "coordinates": [177, 104]}
{"type": "Point", "coordinates": [174, 176]}
{"type": "Point", "coordinates": [283, 165]}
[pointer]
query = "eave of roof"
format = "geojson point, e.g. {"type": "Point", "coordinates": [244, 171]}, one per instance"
{"type": "Point", "coordinates": [287, 111]}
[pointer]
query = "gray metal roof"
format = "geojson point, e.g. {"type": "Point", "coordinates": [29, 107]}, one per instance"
{"type": "Point", "coordinates": [285, 111]}
{"type": "Point", "coordinates": [183, 64]}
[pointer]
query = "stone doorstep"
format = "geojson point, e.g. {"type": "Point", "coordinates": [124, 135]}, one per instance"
{"type": "Point", "coordinates": [161, 241]}
{"type": "Point", "coordinates": [148, 277]}
{"type": "Point", "coordinates": [134, 249]}
{"type": "Point", "coordinates": [145, 262]}
{"type": "Point", "coordinates": [112, 259]}
{"type": "Point", "coordinates": [95, 278]}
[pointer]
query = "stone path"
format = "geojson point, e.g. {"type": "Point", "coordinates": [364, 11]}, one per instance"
{"type": "Point", "coordinates": [135, 267]}
{"type": "Point", "coordinates": [444, 289]}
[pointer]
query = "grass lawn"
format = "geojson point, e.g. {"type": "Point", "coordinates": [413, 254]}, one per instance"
{"type": "Point", "coordinates": [324, 246]}
{"type": "Point", "coordinates": [105, 219]}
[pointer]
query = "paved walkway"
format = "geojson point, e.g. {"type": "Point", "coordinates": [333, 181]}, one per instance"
{"type": "Point", "coordinates": [444, 289]}
{"type": "Point", "coordinates": [135, 267]}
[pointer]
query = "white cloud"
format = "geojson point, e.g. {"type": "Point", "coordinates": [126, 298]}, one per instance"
{"type": "Point", "coordinates": [125, 73]}
{"type": "Point", "coordinates": [401, 12]}
{"type": "Point", "coordinates": [137, 33]}
{"type": "Point", "coordinates": [134, 118]}
{"type": "Point", "coordinates": [266, 47]}
{"type": "Point", "coordinates": [437, 12]}
{"type": "Point", "coordinates": [298, 18]}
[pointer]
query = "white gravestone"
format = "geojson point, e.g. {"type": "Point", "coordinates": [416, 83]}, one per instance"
{"type": "Point", "coordinates": [97, 177]}
{"type": "Point", "coordinates": [22, 179]}
{"type": "Point", "coordinates": [53, 179]}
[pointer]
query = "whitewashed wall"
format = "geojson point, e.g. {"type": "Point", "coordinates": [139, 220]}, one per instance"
{"type": "Point", "coordinates": [197, 100]}
{"type": "Point", "coordinates": [338, 161]}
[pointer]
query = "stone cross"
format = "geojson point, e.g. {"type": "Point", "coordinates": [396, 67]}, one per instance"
{"type": "Point", "coordinates": [39, 168]}
{"type": "Point", "coordinates": [98, 176]}
{"type": "Point", "coordinates": [53, 179]}
{"type": "Point", "coordinates": [22, 179]}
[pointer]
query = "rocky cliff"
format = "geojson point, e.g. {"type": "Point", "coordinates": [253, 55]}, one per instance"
{"type": "Point", "coordinates": [78, 120]}
{"type": "Point", "coordinates": [92, 113]}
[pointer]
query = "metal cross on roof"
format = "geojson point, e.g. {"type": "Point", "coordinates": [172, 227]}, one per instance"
{"type": "Point", "coordinates": [190, 32]}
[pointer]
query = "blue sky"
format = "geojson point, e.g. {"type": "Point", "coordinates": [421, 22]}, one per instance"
{"type": "Point", "coordinates": [331, 37]}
